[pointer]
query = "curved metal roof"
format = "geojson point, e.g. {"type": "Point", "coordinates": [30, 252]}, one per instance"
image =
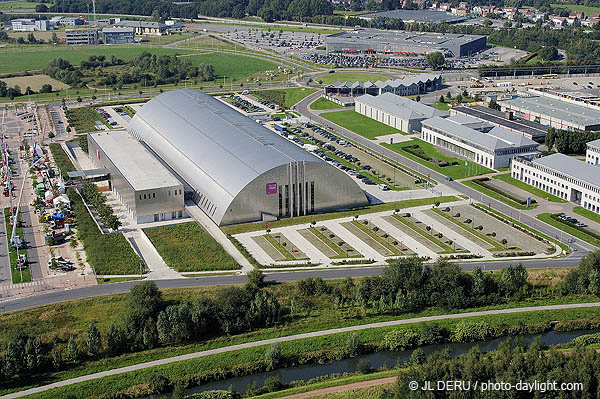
{"type": "Point", "coordinates": [212, 146]}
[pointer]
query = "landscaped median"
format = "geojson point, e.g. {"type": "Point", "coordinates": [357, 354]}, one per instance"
{"type": "Point", "coordinates": [427, 155]}
{"type": "Point", "coordinates": [324, 104]}
{"type": "Point", "coordinates": [570, 228]}
{"type": "Point", "coordinates": [390, 206]}
{"type": "Point", "coordinates": [18, 276]}
{"type": "Point", "coordinates": [526, 187]}
{"type": "Point", "coordinates": [187, 247]}
{"type": "Point", "coordinates": [483, 187]}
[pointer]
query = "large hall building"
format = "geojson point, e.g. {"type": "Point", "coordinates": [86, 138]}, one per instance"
{"type": "Point", "coordinates": [235, 169]}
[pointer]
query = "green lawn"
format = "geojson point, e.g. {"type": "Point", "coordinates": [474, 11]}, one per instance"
{"type": "Point", "coordinates": [351, 77]}
{"type": "Point", "coordinates": [360, 124]}
{"type": "Point", "coordinates": [12, 252]}
{"type": "Point", "coordinates": [547, 217]}
{"type": "Point", "coordinates": [454, 171]}
{"type": "Point", "coordinates": [62, 160]}
{"type": "Point", "coordinates": [587, 213]}
{"type": "Point", "coordinates": [187, 247]}
{"type": "Point", "coordinates": [18, 5]}
{"type": "Point", "coordinates": [441, 106]}
{"type": "Point", "coordinates": [323, 103]}
{"type": "Point", "coordinates": [231, 66]}
{"type": "Point", "coordinates": [577, 7]}
{"type": "Point", "coordinates": [524, 186]}
{"type": "Point", "coordinates": [496, 195]}
{"type": "Point", "coordinates": [285, 98]}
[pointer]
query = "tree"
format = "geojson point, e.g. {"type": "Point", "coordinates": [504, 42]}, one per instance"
{"type": "Point", "coordinates": [114, 340]}
{"type": "Point", "coordinates": [548, 53]}
{"type": "Point", "coordinates": [487, 22]}
{"type": "Point", "coordinates": [31, 38]}
{"type": "Point", "coordinates": [256, 280]}
{"type": "Point", "coordinates": [46, 88]}
{"type": "Point", "coordinates": [94, 340]}
{"type": "Point", "coordinates": [442, 99]}
{"type": "Point", "coordinates": [72, 352]}
{"type": "Point", "coordinates": [418, 98]}
{"type": "Point", "coordinates": [273, 356]}
{"type": "Point", "coordinates": [352, 345]}
{"type": "Point", "coordinates": [41, 8]}
{"type": "Point", "coordinates": [418, 357]}
{"type": "Point", "coordinates": [508, 23]}
{"type": "Point", "coordinates": [178, 391]}
{"type": "Point", "coordinates": [435, 59]}
{"type": "Point", "coordinates": [54, 38]}
{"type": "Point", "coordinates": [513, 278]}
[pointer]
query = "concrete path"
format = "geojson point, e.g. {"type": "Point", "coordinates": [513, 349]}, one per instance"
{"type": "Point", "coordinates": [408, 241]}
{"type": "Point", "coordinates": [196, 355]}
{"type": "Point", "coordinates": [158, 268]}
{"type": "Point", "coordinates": [199, 216]}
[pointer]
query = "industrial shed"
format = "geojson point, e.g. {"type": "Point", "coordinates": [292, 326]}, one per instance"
{"type": "Point", "coordinates": [235, 169]}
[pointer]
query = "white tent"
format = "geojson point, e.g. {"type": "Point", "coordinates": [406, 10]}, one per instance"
{"type": "Point", "coordinates": [61, 199]}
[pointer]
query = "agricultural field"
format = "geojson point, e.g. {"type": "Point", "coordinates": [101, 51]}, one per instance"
{"type": "Point", "coordinates": [35, 82]}
{"type": "Point", "coordinates": [360, 124]}
{"type": "Point", "coordinates": [324, 104]}
{"type": "Point", "coordinates": [587, 10]}
{"type": "Point", "coordinates": [18, 5]}
{"type": "Point", "coordinates": [187, 247]}
{"type": "Point", "coordinates": [285, 98]}
{"type": "Point", "coordinates": [351, 77]}
{"type": "Point", "coordinates": [46, 36]}
{"type": "Point", "coordinates": [426, 154]}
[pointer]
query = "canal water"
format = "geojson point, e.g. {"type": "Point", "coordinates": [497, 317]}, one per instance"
{"type": "Point", "coordinates": [376, 360]}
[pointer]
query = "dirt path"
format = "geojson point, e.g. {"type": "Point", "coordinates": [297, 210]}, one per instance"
{"type": "Point", "coordinates": [340, 388]}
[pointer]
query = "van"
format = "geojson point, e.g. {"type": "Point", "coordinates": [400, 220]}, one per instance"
{"type": "Point", "coordinates": [383, 187]}
{"type": "Point", "coordinates": [245, 92]}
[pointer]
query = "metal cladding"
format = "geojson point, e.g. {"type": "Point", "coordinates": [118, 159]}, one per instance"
{"type": "Point", "coordinates": [235, 169]}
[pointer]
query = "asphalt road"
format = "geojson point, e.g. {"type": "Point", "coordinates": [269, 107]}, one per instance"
{"type": "Point", "coordinates": [32, 253]}
{"type": "Point", "coordinates": [55, 296]}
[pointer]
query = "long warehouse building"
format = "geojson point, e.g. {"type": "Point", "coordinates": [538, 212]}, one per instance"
{"type": "Point", "coordinates": [149, 192]}
{"type": "Point", "coordinates": [235, 169]}
{"type": "Point", "coordinates": [395, 111]}
{"type": "Point", "coordinates": [566, 177]}
{"type": "Point", "coordinates": [371, 41]}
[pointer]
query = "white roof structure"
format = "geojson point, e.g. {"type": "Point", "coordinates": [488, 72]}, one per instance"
{"type": "Point", "coordinates": [141, 170]}
{"type": "Point", "coordinates": [216, 150]}
{"type": "Point", "coordinates": [394, 83]}
{"type": "Point", "coordinates": [572, 167]}
{"type": "Point", "coordinates": [399, 106]}
{"type": "Point", "coordinates": [476, 132]}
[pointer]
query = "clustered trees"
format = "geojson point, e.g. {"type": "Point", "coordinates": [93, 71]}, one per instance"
{"type": "Point", "coordinates": [569, 142]}
{"type": "Point", "coordinates": [151, 70]}
{"type": "Point", "coordinates": [10, 92]}
{"type": "Point", "coordinates": [98, 202]}
{"type": "Point", "coordinates": [585, 278]}
{"type": "Point", "coordinates": [512, 362]}
{"type": "Point", "coordinates": [147, 322]}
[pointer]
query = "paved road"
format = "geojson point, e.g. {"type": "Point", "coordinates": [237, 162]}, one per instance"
{"type": "Point", "coordinates": [580, 247]}
{"type": "Point", "coordinates": [295, 337]}
{"type": "Point", "coordinates": [61, 295]}
{"type": "Point", "coordinates": [32, 252]}
{"type": "Point", "coordinates": [5, 274]}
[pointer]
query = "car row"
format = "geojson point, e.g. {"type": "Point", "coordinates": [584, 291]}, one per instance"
{"type": "Point", "coordinates": [106, 116]}
{"type": "Point", "coordinates": [572, 220]}
{"type": "Point", "coordinates": [244, 104]}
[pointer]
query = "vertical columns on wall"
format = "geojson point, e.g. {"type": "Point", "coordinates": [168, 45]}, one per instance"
{"type": "Point", "coordinates": [304, 189]}
{"type": "Point", "coordinates": [296, 185]}
{"type": "Point", "coordinates": [291, 190]}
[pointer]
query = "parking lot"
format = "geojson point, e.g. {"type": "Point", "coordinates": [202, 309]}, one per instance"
{"type": "Point", "coordinates": [374, 238]}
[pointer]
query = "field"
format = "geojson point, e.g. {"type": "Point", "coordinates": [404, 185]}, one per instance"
{"type": "Point", "coordinates": [351, 77]}
{"type": "Point", "coordinates": [577, 7]}
{"type": "Point", "coordinates": [285, 98]}
{"type": "Point", "coordinates": [168, 39]}
{"type": "Point", "coordinates": [187, 247]}
{"type": "Point", "coordinates": [18, 5]}
{"type": "Point", "coordinates": [15, 59]}
{"type": "Point", "coordinates": [360, 124]}
{"type": "Point", "coordinates": [35, 82]}
{"type": "Point", "coordinates": [458, 171]}
{"type": "Point", "coordinates": [524, 186]}
{"type": "Point", "coordinates": [46, 36]}
{"type": "Point", "coordinates": [83, 119]}
{"type": "Point", "coordinates": [232, 66]}
{"type": "Point", "coordinates": [210, 42]}
{"type": "Point", "coordinates": [323, 103]}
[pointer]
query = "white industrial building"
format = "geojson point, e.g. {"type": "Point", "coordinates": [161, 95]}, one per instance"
{"type": "Point", "coordinates": [29, 25]}
{"type": "Point", "coordinates": [560, 175]}
{"type": "Point", "coordinates": [149, 192]}
{"type": "Point", "coordinates": [482, 143]}
{"type": "Point", "coordinates": [395, 111]}
{"type": "Point", "coordinates": [592, 153]}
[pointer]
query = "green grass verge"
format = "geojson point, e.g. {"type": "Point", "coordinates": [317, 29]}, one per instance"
{"type": "Point", "coordinates": [390, 206]}
{"type": "Point", "coordinates": [495, 195]}
{"type": "Point", "coordinates": [360, 124]}
{"type": "Point", "coordinates": [581, 234]}
{"type": "Point", "coordinates": [187, 247]}
{"type": "Point", "coordinates": [109, 280]}
{"type": "Point", "coordinates": [587, 213]}
{"type": "Point", "coordinates": [107, 253]}
{"type": "Point", "coordinates": [278, 247]}
{"type": "Point", "coordinates": [285, 98]}
{"type": "Point", "coordinates": [253, 359]}
{"type": "Point", "coordinates": [457, 171]}
{"type": "Point", "coordinates": [441, 106]}
{"type": "Point", "coordinates": [62, 160]}
{"type": "Point", "coordinates": [323, 104]}
{"type": "Point", "coordinates": [394, 250]}
{"type": "Point", "coordinates": [352, 77]}
{"type": "Point", "coordinates": [507, 178]}
{"type": "Point", "coordinates": [12, 252]}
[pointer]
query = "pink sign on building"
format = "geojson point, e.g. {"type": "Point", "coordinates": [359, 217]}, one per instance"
{"type": "Point", "coordinates": [271, 188]}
